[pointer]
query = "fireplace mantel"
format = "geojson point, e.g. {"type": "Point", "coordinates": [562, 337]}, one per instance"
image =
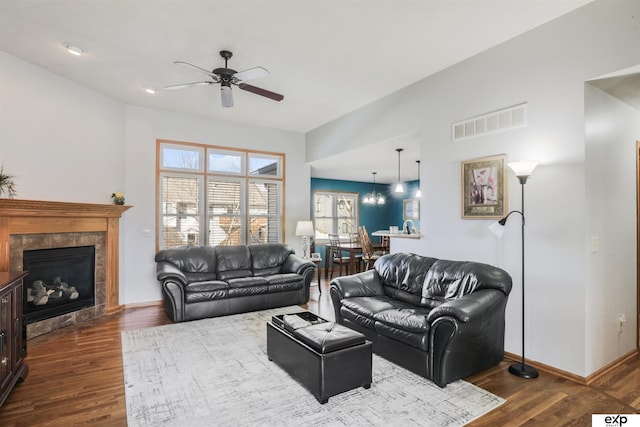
{"type": "Point", "coordinates": [42, 217]}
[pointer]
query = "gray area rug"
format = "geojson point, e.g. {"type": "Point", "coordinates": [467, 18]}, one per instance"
{"type": "Point", "coordinates": [215, 372]}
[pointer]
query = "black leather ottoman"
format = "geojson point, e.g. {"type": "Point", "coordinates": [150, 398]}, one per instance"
{"type": "Point", "coordinates": [325, 357]}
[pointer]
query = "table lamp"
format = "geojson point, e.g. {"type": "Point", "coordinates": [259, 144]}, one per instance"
{"type": "Point", "coordinates": [305, 229]}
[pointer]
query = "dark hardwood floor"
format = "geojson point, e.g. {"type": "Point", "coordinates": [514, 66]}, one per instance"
{"type": "Point", "coordinates": [76, 378]}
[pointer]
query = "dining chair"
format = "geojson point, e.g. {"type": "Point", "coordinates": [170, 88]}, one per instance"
{"type": "Point", "coordinates": [336, 255]}
{"type": "Point", "coordinates": [354, 239]}
{"type": "Point", "coordinates": [382, 250]}
{"type": "Point", "coordinates": [385, 242]}
{"type": "Point", "coordinates": [368, 256]}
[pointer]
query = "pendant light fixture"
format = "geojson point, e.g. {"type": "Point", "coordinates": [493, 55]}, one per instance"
{"type": "Point", "coordinates": [399, 186]}
{"type": "Point", "coordinates": [418, 192]}
{"type": "Point", "coordinates": [373, 198]}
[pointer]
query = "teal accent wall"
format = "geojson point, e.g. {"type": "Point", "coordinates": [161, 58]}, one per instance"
{"type": "Point", "coordinates": [376, 217]}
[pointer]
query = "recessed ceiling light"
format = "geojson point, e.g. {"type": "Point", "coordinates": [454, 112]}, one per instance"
{"type": "Point", "coordinates": [150, 90]}
{"type": "Point", "coordinates": [74, 50]}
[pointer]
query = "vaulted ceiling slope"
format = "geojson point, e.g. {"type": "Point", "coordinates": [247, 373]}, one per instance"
{"type": "Point", "coordinates": [327, 57]}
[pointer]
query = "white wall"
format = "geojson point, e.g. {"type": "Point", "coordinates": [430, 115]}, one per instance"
{"type": "Point", "coordinates": [144, 126]}
{"type": "Point", "coordinates": [66, 142]}
{"type": "Point", "coordinates": [547, 68]}
{"type": "Point", "coordinates": [612, 128]}
{"type": "Point", "coordinates": [61, 140]}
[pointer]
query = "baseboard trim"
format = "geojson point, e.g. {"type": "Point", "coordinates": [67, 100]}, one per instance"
{"type": "Point", "coordinates": [571, 376]}
{"type": "Point", "coordinates": [546, 368]}
{"type": "Point", "coordinates": [143, 304]}
{"type": "Point", "coordinates": [611, 366]}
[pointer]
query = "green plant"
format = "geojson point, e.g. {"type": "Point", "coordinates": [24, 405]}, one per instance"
{"type": "Point", "coordinates": [6, 184]}
{"type": "Point", "coordinates": [118, 198]}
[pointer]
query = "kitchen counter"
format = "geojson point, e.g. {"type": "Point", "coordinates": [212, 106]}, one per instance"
{"type": "Point", "coordinates": [387, 233]}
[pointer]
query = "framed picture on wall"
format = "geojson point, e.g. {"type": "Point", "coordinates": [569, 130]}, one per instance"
{"type": "Point", "coordinates": [484, 188]}
{"type": "Point", "coordinates": [411, 209]}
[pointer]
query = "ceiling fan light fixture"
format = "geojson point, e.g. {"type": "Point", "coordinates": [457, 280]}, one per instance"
{"type": "Point", "coordinates": [226, 77]}
{"type": "Point", "coordinates": [227, 96]}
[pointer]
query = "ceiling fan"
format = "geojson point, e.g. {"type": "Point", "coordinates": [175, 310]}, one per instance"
{"type": "Point", "coordinates": [227, 77]}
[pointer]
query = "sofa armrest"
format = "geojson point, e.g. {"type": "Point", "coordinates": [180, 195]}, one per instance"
{"type": "Point", "coordinates": [166, 271]}
{"type": "Point", "coordinates": [363, 284]}
{"type": "Point", "coordinates": [470, 307]}
{"type": "Point", "coordinates": [467, 335]}
{"type": "Point", "coordinates": [296, 264]}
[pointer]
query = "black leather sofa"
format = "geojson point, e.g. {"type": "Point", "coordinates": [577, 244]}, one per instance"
{"type": "Point", "coordinates": [441, 319]}
{"type": "Point", "coordinates": [206, 281]}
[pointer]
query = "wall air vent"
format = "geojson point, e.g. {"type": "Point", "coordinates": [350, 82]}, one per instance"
{"type": "Point", "coordinates": [496, 121]}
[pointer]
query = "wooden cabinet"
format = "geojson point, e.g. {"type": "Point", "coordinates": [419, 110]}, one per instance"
{"type": "Point", "coordinates": [13, 343]}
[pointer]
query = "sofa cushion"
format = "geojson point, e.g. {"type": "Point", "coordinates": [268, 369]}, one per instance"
{"type": "Point", "coordinates": [190, 259]}
{"type": "Point", "coordinates": [410, 319]}
{"type": "Point", "coordinates": [247, 282]}
{"type": "Point", "coordinates": [284, 278]}
{"type": "Point", "coordinates": [404, 271]}
{"type": "Point", "coordinates": [358, 319]}
{"type": "Point", "coordinates": [233, 262]}
{"type": "Point", "coordinates": [400, 295]}
{"type": "Point", "coordinates": [205, 296]}
{"type": "Point", "coordinates": [418, 340]}
{"type": "Point", "coordinates": [449, 280]}
{"type": "Point", "coordinates": [246, 286]}
{"type": "Point", "coordinates": [209, 285]}
{"type": "Point", "coordinates": [201, 277]}
{"type": "Point", "coordinates": [368, 306]}
{"type": "Point", "coordinates": [268, 258]}
{"type": "Point", "coordinates": [206, 291]}
{"type": "Point", "coordinates": [284, 282]}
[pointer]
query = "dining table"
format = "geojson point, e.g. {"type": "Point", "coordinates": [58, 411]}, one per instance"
{"type": "Point", "coordinates": [352, 248]}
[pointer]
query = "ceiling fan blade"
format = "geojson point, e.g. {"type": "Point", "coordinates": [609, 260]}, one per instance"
{"type": "Point", "coordinates": [252, 73]}
{"type": "Point", "coordinates": [260, 91]}
{"type": "Point", "coordinates": [226, 96]}
{"type": "Point", "coordinates": [181, 86]}
{"type": "Point", "coordinates": [202, 70]}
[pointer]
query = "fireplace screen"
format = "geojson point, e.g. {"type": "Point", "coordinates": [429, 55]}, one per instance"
{"type": "Point", "coordinates": [60, 281]}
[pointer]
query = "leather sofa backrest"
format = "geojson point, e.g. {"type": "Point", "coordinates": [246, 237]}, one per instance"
{"type": "Point", "coordinates": [191, 259]}
{"type": "Point", "coordinates": [233, 262]}
{"type": "Point", "coordinates": [404, 273]}
{"type": "Point", "coordinates": [448, 280]}
{"type": "Point", "coordinates": [267, 259]}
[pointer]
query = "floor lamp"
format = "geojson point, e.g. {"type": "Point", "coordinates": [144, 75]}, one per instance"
{"type": "Point", "coordinates": [522, 170]}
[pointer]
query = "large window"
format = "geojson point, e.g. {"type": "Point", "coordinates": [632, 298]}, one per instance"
{"type": "Point", "coordinates": [218, 196]}
{"type": "Point", "coordinates": [335, 213]}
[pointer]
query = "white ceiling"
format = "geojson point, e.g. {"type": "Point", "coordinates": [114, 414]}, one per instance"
{"type": "Point", "coordinates": [623, 84]}
{"type": "Point", "coordinates": [327, 57]}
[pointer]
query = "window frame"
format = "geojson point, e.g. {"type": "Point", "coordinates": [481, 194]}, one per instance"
{"type": "Point", "coordinates": [205, 176]}
{"type": "Point", "coordinates": [335, 195]}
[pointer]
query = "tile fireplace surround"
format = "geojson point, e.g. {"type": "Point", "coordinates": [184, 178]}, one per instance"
{"type": "Point", "coordinates": [31, 224]}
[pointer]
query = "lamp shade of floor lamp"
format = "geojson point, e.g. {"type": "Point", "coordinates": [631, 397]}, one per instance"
{"type": "Point", "coordinates": [523, 171]}
{"type": "Point", "coordinates": [305, 229]}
